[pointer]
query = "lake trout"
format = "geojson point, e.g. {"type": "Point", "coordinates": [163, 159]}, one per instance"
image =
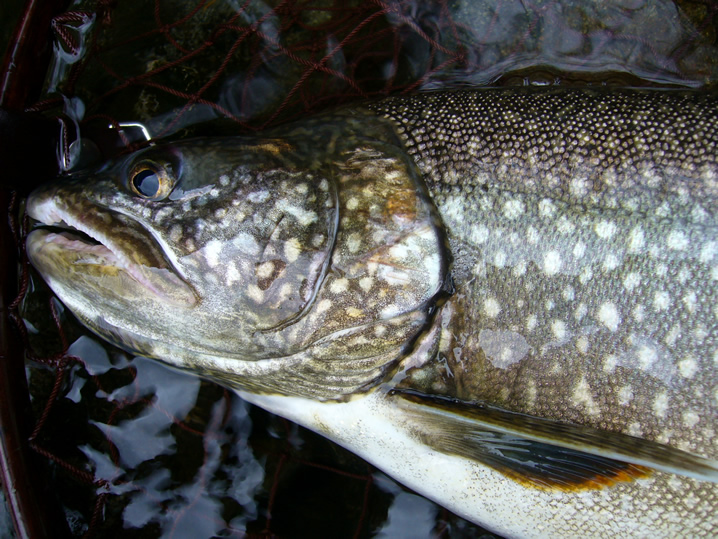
{"type": "Point", "coordinates": [504, 298]}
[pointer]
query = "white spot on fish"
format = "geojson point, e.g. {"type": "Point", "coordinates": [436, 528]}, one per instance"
{"type": "Point", "coordinates": [579, 187]}
{"type": "Point", "coordinates": [690, 300]}
{"type": "Point", "coordinates": [610, 363]}
{"type": "Point", "coordinates": [285, 291]}
{"type": "Point", "coordinates": [257, 197]}
{"type": "Point", "coordinates": [558, 328]}
{"type": "Point", "coordinates": [323, 306]}
{"type": "Point", "coordinates": [700, 333]}
{"type": "Point", "coordinates": [366, 283]}
{"type": "Point", "coordinates": [582, 344]}
{"type": "Point", "coordinates": [552, 263]}
{"type": "Point", "coordinates": [354, 242]}
{"type": "Point", "coordinates": [609, 316]}
{"type": "Point", "coordinates": [708, 252]}
{"type": "Point", "coordinates": [211, 252]}
{"type": "Point", "coordinates": [265, 269]}
{"type": "Point", "coordinates": [500, 259]}
{"type": "Point", "coordinates": [579, 249]}
{"type": "Point", "coordinates": [304, 216]}
{"type": "Point", "coordinates": [664, 210]}
{"type": "Point", "coordinates": [232, 274]}
{"type": "Point", "coordinates": [677, 240]}
{"type": "Point", "coordinates": [352, 203]}
{"type": "Point", "coordinates": [565, 225]}
{"type": "Point", "coordinates": [684, 275]}
{"type": "Point", "coordinates": [636, 240]}
{"type": "Point", "coordinates": [398, 251]}
{"type": "Point", "coordinates": [175, 233]}
{"type": "Point", "coordinates": [292, 249]}
{"type": "Point", "coordinates": [491, 308]}
{"type": "Point", "coordinates": [531, 322]}
{"type": "Point", "coordinates": [513, 209]}
{"type": "Point", "coordinates": [660, 405]}
{"type": "Point", "coordinates": [389, 311]}
{"type": "Point", "coordinates": [318, 240]}
{"type": "Point", "coordinates": [531, 392]}
{"type": "Point", "coordinates": [631, 281]}
{"type": "Point", "coordinates": [479, 234]}
{"type": "Point", "coordinates": [688, 367]}
{"type": "Point", "coordinates": [569, 293]}
{"type": "Point", "coordinates": [586, 275]}
{"type": "Point", "coordinates": [690, 418]}
{"type": "Point", "coordinates": [625, 395]}
{"type": "Point", "coordinates": [610, 263]}
{"type": "Point", "coordinates": [605, 229]}
{"type": "Point", "coordinates": [532, 236]}
{"type": "Point", "coordinates": [635, 429]}
{"type": "Point", "coordinates": [546, 208]}
{"type": "Point", "coordinates": [254, 292]}
{"type": "Point", "coordinates": [647, 355]}
{"type": "Point", "coordinates": [661, 300]}
{"type": "Point", "coordinates": [582, 396]}
{"type": "Point", "coordinates": [339, 286]}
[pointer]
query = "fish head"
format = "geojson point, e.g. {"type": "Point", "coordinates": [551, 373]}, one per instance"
{"type": "Point", "coordinates": [242, 258]}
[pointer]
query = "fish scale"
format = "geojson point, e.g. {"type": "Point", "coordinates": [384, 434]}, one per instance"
{"type": "Point", "coordinates": [504, 298]}
{"type": "Point", "coordinates": [610, 150]}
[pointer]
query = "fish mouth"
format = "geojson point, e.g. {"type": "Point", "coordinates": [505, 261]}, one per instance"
{"type": "Point", "coordinates": [69, 242]}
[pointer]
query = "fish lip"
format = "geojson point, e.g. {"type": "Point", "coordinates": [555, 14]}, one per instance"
{"type": "Point", "coordinates": [46, 213]}
{"type": "Point", "coordinates": [61, 227]}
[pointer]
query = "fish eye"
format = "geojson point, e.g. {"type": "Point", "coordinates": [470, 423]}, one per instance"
{"type": "Point", "coordinates": [151, 180]}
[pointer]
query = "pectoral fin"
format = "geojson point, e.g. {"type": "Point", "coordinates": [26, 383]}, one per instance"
{"type": "Point", "coordinates": [541, 452]}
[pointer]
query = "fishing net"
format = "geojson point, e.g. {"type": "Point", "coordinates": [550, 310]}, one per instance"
{"type": "Point", "coordinates": [126, 443]}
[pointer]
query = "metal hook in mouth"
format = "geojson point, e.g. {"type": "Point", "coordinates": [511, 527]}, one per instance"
{"type": "Point", "coordinates": [123, 125]}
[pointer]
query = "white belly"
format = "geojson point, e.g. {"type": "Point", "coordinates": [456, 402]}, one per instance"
{"type": "Point", "coordinates": [370, 427]}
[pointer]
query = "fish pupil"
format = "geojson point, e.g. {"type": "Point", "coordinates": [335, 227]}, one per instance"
{"type": "Point", "coordinates": [146, 182]}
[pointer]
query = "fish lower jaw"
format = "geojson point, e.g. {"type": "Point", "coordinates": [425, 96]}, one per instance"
{"type": "Point", "coordinates": [96, 253]}
{"type": "Point", "coordinates": [62, 253]}
{"type": "Point", "coordinates": [79, 251]}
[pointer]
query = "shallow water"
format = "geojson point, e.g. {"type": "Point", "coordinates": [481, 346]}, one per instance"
{"type": "Point", "coordinates": [182, 457]}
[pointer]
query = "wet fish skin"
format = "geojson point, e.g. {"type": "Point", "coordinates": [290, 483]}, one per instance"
{"type": "Point", "coordinates": [596, 242]}
{"type": "Point", "coordinates": [586, 287]}
{"type": "Point", "coordinates": [578, 228]}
